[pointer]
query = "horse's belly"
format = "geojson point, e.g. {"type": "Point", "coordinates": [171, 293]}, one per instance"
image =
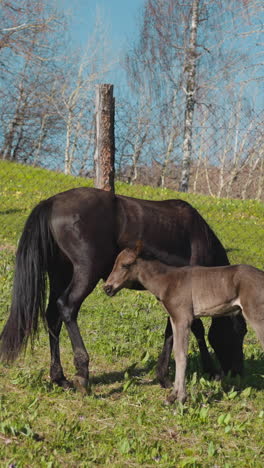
{"type": "Point", "coordinates": [217, 310]}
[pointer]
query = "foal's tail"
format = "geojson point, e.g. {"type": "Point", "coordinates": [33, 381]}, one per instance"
{"type": "Point", "coordinates": [29, 288]}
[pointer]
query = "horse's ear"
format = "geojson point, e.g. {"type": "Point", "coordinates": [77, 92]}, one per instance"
{"type": "Point", "coordinates": [139, 247]}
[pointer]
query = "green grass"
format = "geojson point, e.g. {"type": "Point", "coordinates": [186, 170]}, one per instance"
{"type": "Point", "coordinates": [124, 422]}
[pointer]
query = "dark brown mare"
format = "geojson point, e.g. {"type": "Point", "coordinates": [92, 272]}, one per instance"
{"type": "Point", "coordinates": [191, 292]}
{"type": "Point", "coordinates": [75, 237]}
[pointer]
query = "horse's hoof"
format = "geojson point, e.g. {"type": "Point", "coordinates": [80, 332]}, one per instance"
{"type": "Point", "coordinates": [165, 382]}
{"type": "Point", "coordinates": [63, 383]}
{"type": "Point", "coordinates": [81, 384]}
{"type": "Point", "coordinates": [219, 376]}
{"type": "Point", "coordinates": [66, 384]}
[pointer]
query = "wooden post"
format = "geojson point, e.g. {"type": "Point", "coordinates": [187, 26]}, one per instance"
{"type": "Point", "coordinates": [104, 157]}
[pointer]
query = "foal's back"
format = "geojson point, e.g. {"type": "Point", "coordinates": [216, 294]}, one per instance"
{"type": "Point", "coordinates": [218, 291]}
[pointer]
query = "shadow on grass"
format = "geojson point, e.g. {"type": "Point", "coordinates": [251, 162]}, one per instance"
{"type": "Point", "coordinates": [12, 211]}
{"type": "Point", "coordinates": [254, 373]}
{"type": "Point", "coordinates": [253, 377]}
{"type": "Point", "coordinates": [119, 376]}
{"type": "Point", "coordinates": [232, 249]}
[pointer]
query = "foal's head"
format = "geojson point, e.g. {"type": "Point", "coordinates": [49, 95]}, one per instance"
{"type": "Point", "coordinates": [123, 271]}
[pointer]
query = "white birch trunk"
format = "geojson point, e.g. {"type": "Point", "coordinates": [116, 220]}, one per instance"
{"type": "Point", "coordinates": [170, 148]}
{"type": "Point", "coordinates": [190, 90]}
{"type": "Point", "coordinates": [174, 133]}
{"type": "Point", "coordinates": [260, 184]}
{"type": "Point", "coordinates": [67, 167]}
{"type": "Point", "coordinates": [42, 135]}
{"type": "Point", "coordinates": [202, 151]}
{"type": "Point", "coordinates": [250, 177]}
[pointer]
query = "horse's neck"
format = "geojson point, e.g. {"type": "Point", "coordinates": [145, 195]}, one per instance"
{"type": "Point", "coordinates": [151, 276]}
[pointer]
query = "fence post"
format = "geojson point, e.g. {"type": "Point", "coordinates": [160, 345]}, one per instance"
{"type": "Point", "coordinates": [104, 157]}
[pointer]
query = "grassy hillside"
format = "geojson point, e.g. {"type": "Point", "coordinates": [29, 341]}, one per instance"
{"type": "Point", "coordinates": [239, 224]}
{"type": "Point", "coordinates": [124, 422]}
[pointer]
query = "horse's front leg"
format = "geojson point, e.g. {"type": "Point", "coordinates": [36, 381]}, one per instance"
{"type": "Point", "coordinates": [207, 363]}
{"type": "Point", "coordinates": [226, 335]}
{"type": "Point", "coordinates": [181, 331]}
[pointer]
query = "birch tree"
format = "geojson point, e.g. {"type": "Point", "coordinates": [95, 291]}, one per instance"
{"type": "Point", "coordinates": [30, 43]}
{"type": "Point", "coordinates": [190, 69]}
{"type": "Point", "coordinates": [197, 46]}
{"type": "Point", "coordinates": [22, 21]}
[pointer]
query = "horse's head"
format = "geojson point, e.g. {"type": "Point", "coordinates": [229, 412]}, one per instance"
{"type": "Point", "coordinates": [123, 271]}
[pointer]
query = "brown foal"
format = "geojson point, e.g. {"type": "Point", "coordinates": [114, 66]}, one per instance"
{"type": "Point", "coordinates": [191, 292]}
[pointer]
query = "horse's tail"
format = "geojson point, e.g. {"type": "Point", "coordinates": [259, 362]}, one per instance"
{"type": "Point", "coordinates": [29, 288]}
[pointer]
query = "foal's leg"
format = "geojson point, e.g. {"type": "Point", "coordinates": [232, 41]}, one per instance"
{"type": "Point", "coordinates": [258, 327]}
{"type": "Point", "coordinates": [163, 361]}
{"type": "Point", "coordinates": [254, 313]}
{"type": "Point", "coordinates": [181, 330]}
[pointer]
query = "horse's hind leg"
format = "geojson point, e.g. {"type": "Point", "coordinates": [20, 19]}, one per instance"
{"type": "Point", "coordinates": [54, 323]}
{"type": "Point", "coordinates": [68, 305]}
{"type": "Point", "coordinates": [164, 358]}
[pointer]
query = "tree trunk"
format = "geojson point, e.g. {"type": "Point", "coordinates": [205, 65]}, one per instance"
{"type": "Point", "coordinates": [67, 162]}
{"type": "Point", "coordinates": [190, 69]}
{"type": "Point", "coordinates": [41, 138]}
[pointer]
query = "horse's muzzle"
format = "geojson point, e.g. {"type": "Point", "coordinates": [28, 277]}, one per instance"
{"type": "Point", "coordinates": [109, 290]}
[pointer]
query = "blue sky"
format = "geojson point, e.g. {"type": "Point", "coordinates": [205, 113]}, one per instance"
{"type": "Point", "coordinates": [121, 21]}
{"type": "Point", "coordinates": [119, 16]}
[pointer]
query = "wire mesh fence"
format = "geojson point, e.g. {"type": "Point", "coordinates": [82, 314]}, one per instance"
{"type": "Point", "coordinates": [227, 145]}
{"type": "Point", "coordinates": [226, 167]}
{"type": "Point", "coordinates": [227, 154]}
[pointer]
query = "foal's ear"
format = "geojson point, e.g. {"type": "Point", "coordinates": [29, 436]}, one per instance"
{"type": "Point", "coordinates": [138, 247]}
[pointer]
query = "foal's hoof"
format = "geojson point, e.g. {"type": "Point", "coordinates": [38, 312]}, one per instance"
{"type": "Point", "coordinates": [171, 398]}
{"type": "Point", "coordinates": [81, 384]}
